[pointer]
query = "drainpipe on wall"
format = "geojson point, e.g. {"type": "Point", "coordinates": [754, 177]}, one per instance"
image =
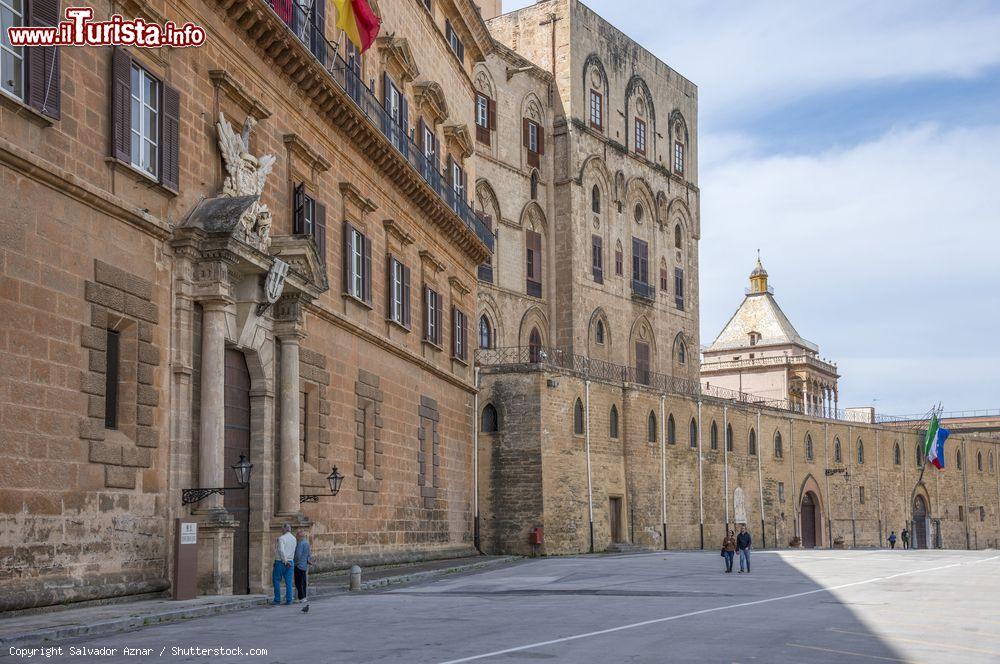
{"type": "Point", "coordinates": [878, 489]}
{"type": "Point", "coordinates": [475, 462]}
{"type": "Point", "coordinates": [701, 485]}
{"type": "Point", "coordinates": [965, 493]}
{"type": "Point", "coordinates": [590, 486]}
{"type": "Point", "coordinates": [852, 454]}
{"type": "Point", "coordinates": [760, 488]}
{"type": "Point", "coordinates": [725, 461]}
{"type": "Point", "coordinates": [663, 471]}
{"type": "Point", "coordinates": [829, 496]}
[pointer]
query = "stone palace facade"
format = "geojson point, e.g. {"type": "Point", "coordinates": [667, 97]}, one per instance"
{"type": "Point", "coordinates": [461, 268]}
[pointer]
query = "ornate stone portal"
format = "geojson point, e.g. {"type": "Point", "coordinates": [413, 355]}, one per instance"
{"type": "Point", "coordinates": [247, 175]}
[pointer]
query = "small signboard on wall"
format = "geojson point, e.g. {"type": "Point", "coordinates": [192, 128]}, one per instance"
{"type": "Point", "coordinates": [185, 584]}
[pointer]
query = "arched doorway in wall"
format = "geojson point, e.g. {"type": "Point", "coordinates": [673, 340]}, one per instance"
{"type": "Point", "coordinates": [810, 521]}
{"type": "Point", "coordinates": [920, 522]}
{"type": "Point", "coordinates": [237, 442]}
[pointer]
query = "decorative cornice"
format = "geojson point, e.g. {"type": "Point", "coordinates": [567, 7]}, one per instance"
{"type": "Point", "coordinates": [353, 195]}
{"type": "Point", "coordinates": [228, 85]}
{"type": "Point", "coordinates": [428, 258]}
{"type": "Point", "coordinates": [69, 184]}
{"type": "Point", "coordinates": [395, 230]}
{"type": "Point", "coordinates": [458, 136]}
{"type": "Point", "coordinates": [396, 51]}
{"type": "Point", "coordinates": [295, 144]}
{"type": "Point", "coordinates": [459, 285]}
{"type": "Point", "coordinates": [430, 96]}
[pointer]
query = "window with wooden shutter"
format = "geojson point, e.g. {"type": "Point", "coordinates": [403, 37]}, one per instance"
{"type": "Point", "coordinates": [485, 271]}
{"type": "Point", "coordinates": [642, 362]}
{"type": "Point", "coordinates": [533, 259]}
{"type": "Point", "coordinates": [533, 140]}
{"type": "Point", "coordinates": [145, 121]}
{"type": "Point", "coordinates": [596, 110]}
{"type": "Point", "coordinates": [319, 231]}
{"type": "Point", "coordinates": [40, 64]}
{"type": "Point", "coordinates": [663, 279]}
{"type": "Point", "coordinates": [679, 288]}
{"type": "Point", "coordinates": [357, 264]}
{"type": "Point", "coordinates": [619, 261]}
{"type": "Point", "coordinates": [640, 136]}
{"type": "Point", "coordinates": [432, 316]}
{"type": "Point", "coordinates": [459, 335]}
{"type": "Point", "coordinates": [397, 292]}
{"type": "Point", "coordinates": [457, 47]}
{"type": "Point", "coordinates": [483, 118]}
{"type": "Point", "coordinates": [597, 258]}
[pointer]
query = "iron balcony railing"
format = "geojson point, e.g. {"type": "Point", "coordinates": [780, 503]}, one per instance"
{"type": "Point", "coordinates": [347, 77]}
{"type": "Point", "coordinates": [544, 357]}
{"type": "Point", "coordinates": [643, 290]}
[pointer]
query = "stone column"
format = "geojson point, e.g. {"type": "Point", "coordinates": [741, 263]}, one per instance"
{"type": "Point", "coordinates": [289, 480]}
{"type": "Point", "coordinates": [211, 451]}
{"type": "Point", "coordinates": [836, 404]}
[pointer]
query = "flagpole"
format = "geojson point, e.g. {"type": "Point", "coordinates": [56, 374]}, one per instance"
{"type": "Point", "coordinates": [923, 467]}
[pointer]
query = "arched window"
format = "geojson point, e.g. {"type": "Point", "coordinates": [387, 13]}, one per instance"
{"type": "Point", "coordinates": [595, 199]}
{"type": "Point", "coordinates": [613, 421]}
{"type": "Point", "coordinates": [490, 421]}
{"type": "Point", "coordinates": [599, 333]}
{"type": "Point", "coordinates": [671, 430]}
{"type": "Point", "coordinates": [809, 447]}
{"type": "Point", "coordinates": [958, 459]}
{"type": "Point", "coordinates": [861, 452]}
{"type": "Point", "coordinates": [991, 462]}
{"type": "Point", "coordinates": [979, 461]}
{"type": "Point", "coordinates": [896, 459]}
{"type": "Point", "coordinates": [779, 450]}
{"type": "Point", "coordinates": [919, 455]}
{"type": "Point", "coordinates": [714, 436]}
{"type": "Point", "coordinates": [838, 455]}
{"type": "Point", "coordinates": [729, 437]}
{"type": "Point", "coordinates": [485, 332]}
{"type": "Point", "coordinates": [534, 185]}
{"type": "Point", "coordinates": [681, 353]}
{"type": "Point", "coordinates": [578, 417]}
{"type": "Point", "coordinates": [677, 236]}
{"type": "Point", "coordinates": [534, 346]}
{"type": "Point", "coordinates": [693, 433]}
{"type": "Point", "coordinates": [752, 447]}
{"type": "Point", "coordinates": [651, 427]}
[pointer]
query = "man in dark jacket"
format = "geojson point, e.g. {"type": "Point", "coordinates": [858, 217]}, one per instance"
{"type": "Point", "coordinates": [743, 542]}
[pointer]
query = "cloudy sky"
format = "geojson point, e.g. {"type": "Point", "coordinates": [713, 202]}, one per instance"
{"type": "Point", "coordinates": [857, 144]}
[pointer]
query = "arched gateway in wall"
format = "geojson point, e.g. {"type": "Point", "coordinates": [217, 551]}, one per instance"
{"type": "Point", "coordinates": [810, 515]}
{"type": "Point", "coordinates": [921, 522]}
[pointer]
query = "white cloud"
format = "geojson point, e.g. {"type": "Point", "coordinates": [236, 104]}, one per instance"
{"type": "Point", "coordinates": [884, 250]}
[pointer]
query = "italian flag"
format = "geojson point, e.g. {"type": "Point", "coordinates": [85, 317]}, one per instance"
{"type": "Point", "coordinates": [934, 442]}
{"type": "Point", "coordinates": [358, 21]}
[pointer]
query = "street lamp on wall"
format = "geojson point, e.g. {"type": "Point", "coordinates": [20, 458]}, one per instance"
{"type": "Point", "coordinates": [241, 469]}
{"type": "Point", "coordinates": [335, 479]}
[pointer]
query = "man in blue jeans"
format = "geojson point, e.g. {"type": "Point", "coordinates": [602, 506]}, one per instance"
{"type": "Point", "coordinates": [743, 546]}
{"type": "Point", "coordinates": [283, 570]}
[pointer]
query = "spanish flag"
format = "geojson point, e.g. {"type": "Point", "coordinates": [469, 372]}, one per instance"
{"type": "Point", "coordinates": [358, 21]}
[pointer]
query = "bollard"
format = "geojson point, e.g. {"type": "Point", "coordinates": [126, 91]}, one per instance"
{"type": "Point", "coordinates": [355, 577]}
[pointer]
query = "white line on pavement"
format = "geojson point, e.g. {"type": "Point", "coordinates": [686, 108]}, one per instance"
{"type": "Point", "coordinates": [655, 621]}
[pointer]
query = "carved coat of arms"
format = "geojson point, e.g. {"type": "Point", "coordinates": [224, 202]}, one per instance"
{"type": "Point", "coordinates": [246, 177]}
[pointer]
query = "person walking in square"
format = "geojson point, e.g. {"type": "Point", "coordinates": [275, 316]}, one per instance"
{"type": "Point", "coordinates": [743, 543]}
{"type": "Point", "coordinates": [892, 540]}
{"type": "Point", "coordinates": [729, 549]}
{"type": "Point", "coordinates": [303, 559]}
{"type": "Point", "coordinates": [905, 535]}
{"type": "Point", "coordinates": [284, 556]}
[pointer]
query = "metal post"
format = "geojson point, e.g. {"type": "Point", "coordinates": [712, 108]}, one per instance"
{"type": "Point", "coordinates": [878, 489]}
{"type": "Point", "coordinates": [760, 487]}
{"type": "Point", "coordinates": [701, 485]}
{"type": "Point", "coordinates": [590, 485]}
{"type": "Point", "coordinates": [475, 462]}
{"type": "Point", "coordinates": [725, 462]}
{"type": "Point", "coordinates": [663, 470]}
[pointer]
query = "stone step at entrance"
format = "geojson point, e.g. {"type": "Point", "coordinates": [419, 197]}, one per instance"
{"type": "Point", "coordinates": [625, 547]}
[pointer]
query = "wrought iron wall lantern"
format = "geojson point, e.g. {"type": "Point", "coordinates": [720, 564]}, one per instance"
{"type": "Point", "coordinates": [838, 471]}
{"type": "Point", "coordinates": [241, 468]}
{"type": "Point", "coordinates": [334, 478]}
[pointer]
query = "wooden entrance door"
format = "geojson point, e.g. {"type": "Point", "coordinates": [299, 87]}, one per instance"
{"type": "Point", "coordinates": [808, 521]}
{"type": "Point", "coordinates": [238, 442]}
{"type": "Point", "coordinates": [919, 535]}
{"type": "Point", "coordinates": [616, 519]}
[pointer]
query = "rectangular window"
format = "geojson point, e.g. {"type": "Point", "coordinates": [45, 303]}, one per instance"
{"type": "Point", "coordinates": [663, 279]}
{"type": "Point", "coordinates": [532, 136]}
{"type": "Point", "coordinates": [459, 338]}
{"type": "Point", "coordinates": [432, 316]}
{"type": "Point", "coordinates": [533, 260]}
{"type": "Point", "coordinates": [145, 121]}
{"type": "Point", "coordinates": [679, 288]}
{"type": "Point", "coordinates": [486, 269]}
{"type": "Point", "coordinates": [961, 513]}
{"type": "Point", "coordinates": [597, 258]}
{"type": "Point", "coordinates": [533, 140]}
{"type": "Point", "coordinates": [640, 136]}
{"type": "Point", "coordinates": [679, 158]}
{"type": "Point", "coordinates": [482, 111]}
{"type": "Point", "coordinates": [861, 495]}
{"type": "Point", "coordinates": [457, 47]}
{"type": "Point", "coordinates": [596, 110]}
{"type": "Point", "coordinates": [357, 264]}
{"type": "Point", "coordinates": [11, 57]}
{"type": "Point", "coordinates": [305, 212]}
{"type": "Point", "coordinates": [398, 292]}
{"type": "Point", "coordinates": [781, 492]}
{"type": "Point", "coordinates": [640, 261]}
{"type": "Point", "coordinates": [619, 263]}
{"type": "Point", "coordinates": [430, 145]}
{"type": "Point", "coordinates": [112, 364]}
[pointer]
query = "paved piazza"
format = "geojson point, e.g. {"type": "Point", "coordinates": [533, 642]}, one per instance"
{"type": "Point", "coordinates": [796, 606]}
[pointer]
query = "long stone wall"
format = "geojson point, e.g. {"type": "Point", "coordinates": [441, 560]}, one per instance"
{"type": "Point", "coordinates": [680, 484]}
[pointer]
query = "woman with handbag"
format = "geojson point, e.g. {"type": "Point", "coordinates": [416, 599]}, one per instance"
{"type": "Point", "coordinates": [729, 550]}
